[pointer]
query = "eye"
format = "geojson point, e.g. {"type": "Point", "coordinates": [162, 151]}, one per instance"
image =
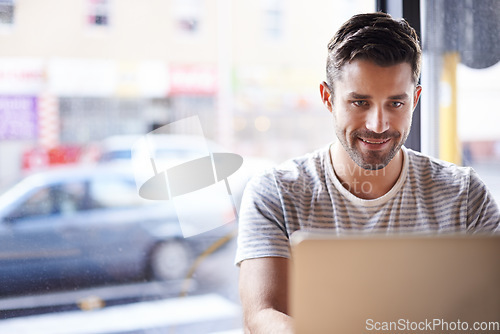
{"type": "Point", "coordinates": [396, 104]}
{"type": "Point", "coordinates": [360, 103]}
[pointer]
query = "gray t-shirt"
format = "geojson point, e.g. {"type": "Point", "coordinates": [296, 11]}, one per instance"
{"type": "Point", "coordinates": [430, 196]}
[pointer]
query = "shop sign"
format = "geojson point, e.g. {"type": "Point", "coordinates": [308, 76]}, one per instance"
{"type": "Point", "coordinates": [105, 78]}
{"type": "Point", "coordinates": [82, 77]}
{"type": "Point", "coordinates": [193, 80]}
{"type": "Point", "coordinates": [21, 76]}
{"type": "Point", "coordinates": [18, 119]}
{"type": "Point", "coordinates": [142, 79]}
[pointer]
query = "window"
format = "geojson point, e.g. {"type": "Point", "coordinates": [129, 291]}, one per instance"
{"type": "Point", "coordinates": [60, 199]}
{"type": "Point", "coordinates": [273, 20]}
{"type": "Point", "coordinates": [39, 204]}
{"type": "Point", "coordinates": [71, 198]}
{"type": "Point", "coordinates": [98, 13]}
{"type": "Point", "coordinates": [102, 246]}
{"type": "Point", "coordinates": [87, 112]}
{"type": "Point", "coordinates": [7, 12]}
{"type": "Point", "coordinates": [187, 17]}
{"type": "Point", "coordinates": [461, 66]}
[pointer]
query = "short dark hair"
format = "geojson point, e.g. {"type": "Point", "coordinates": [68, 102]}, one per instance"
{"type": "Point", "coordinates": [375, 37]}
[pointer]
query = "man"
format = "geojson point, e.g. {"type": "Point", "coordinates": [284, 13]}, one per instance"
{"type": "Point", "coordinates": [365, 182]}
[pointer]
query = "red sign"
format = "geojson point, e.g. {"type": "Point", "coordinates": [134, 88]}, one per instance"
{"type": "Point", "coordinates": [39, 157]}
{"type": "Point", "coordinates": [193, 80]}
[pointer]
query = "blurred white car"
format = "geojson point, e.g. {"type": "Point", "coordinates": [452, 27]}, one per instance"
{"type": "Point", "coordinates": [172, 149]}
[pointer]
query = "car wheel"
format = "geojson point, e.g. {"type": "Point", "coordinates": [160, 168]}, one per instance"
{"type": "Point", "coordinates": [169, 260]}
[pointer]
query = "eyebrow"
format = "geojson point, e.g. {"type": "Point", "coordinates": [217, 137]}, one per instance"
{"type": "Point", "coordinates": [356, 96]}
{"type": "Point", "coordinates": [403, 96]}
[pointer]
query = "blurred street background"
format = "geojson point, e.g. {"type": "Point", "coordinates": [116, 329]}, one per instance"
{"type": "Point", "coordinates": [80, 80]}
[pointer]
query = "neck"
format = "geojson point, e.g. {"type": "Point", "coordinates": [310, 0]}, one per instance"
{"type": "Point", "coordinates": [365, 184]}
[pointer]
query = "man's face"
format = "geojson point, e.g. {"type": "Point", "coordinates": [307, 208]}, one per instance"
{"type": "Point", "coordinates": [372, 108]}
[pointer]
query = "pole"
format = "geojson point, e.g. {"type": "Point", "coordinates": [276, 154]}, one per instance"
{"type": "Point", "coordinates": [449, 144]}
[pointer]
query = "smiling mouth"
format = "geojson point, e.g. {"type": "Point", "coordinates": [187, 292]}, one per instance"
{"type": "Point", "coordinates": [375, 141]}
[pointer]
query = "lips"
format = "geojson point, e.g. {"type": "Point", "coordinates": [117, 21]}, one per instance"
{"type": "Point", "coordinates": [375, 141]}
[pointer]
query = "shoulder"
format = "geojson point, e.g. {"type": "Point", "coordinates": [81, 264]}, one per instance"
{"type": "Point", "coordinates": [439, 171]}
{"type": "Point", "coordinates": [446, 185]}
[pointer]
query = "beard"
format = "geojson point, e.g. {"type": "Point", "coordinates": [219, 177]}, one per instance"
{"type": "Point", "coordinates": [371, 159]}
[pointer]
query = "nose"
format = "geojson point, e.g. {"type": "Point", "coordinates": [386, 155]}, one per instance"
{"type": "Point", "coordinates": [376, 120]}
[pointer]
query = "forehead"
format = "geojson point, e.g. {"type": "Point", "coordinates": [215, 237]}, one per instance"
{"type": "Point", "coordinates": [366, 77]}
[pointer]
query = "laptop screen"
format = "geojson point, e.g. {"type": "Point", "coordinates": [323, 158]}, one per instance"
{"type": "Point", "coordinates": [382, 284]}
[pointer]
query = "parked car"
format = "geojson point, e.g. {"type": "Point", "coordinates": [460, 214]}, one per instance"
{"type": "Point", "coordinates": [89, 223]}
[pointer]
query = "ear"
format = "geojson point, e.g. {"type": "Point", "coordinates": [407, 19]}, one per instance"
{"type": "Point", "coordinates": [326, 95]}
{"type": "Point", "coordinates": [416, 95]}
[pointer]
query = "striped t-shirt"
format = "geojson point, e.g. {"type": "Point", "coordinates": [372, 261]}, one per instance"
{"type": "Point", "coordinates": [430, 196]}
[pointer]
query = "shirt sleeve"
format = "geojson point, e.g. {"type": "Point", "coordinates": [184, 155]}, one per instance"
{"type": "Point", "coordinates": [262, 231]}
{"type": "Point", "coordinates": [483, 214]}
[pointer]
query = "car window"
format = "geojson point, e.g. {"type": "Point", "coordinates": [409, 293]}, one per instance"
{"type": "Point", "coordinates": [70, 198]}
{"type": "Point", "coordinates": [61, 199]}
{"type": "Point", "coordinates": [116, 155]}
{"type": "Point", "coordinates": [39, 204]}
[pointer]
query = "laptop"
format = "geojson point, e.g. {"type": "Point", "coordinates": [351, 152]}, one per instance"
{"type": "Point", "coordinates": [395, 284]}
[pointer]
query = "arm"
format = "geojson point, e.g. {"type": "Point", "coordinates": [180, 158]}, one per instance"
{"type": "Point", "coordinates": [264, 295]}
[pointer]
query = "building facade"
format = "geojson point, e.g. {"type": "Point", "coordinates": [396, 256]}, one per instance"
{"type": "Point", "coordinates": [73, 72]}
